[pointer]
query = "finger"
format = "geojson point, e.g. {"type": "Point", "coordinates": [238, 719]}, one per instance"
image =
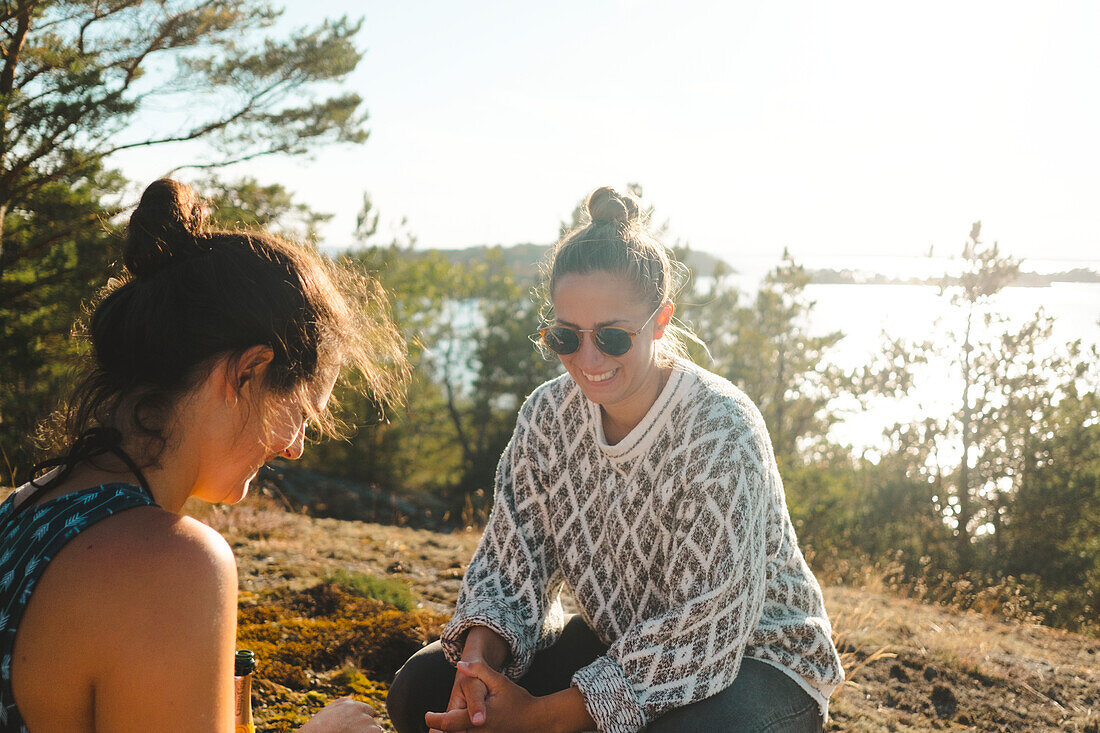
{"type": "Point", "coordinates": [346, 700]}
{"type": "Point", "coordinates": [476, 709]}
{"type": "Point", "coordinates": [361, 706]}
{"type": "Point", "coordinates": [476, 694]}
{"type": "Point", "coordinates": [358, 706]}
{"type": "Point", "coordinates": [483, 672]}
{"type": "Point", "coordinates": [458, 695]}
{"type": "Point", "coordinates": [473, 687]}
{"type": "Point", "coordinates": [451, 721]}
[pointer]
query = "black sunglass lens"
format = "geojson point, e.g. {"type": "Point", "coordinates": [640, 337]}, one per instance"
{"type": "Point", "coordinates": [613, 341]}
{"type": "Point", "coordinates": [562, 340]}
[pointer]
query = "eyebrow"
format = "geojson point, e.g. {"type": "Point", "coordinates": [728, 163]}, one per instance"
{"type": "Point", "coordinates": [597, 327]}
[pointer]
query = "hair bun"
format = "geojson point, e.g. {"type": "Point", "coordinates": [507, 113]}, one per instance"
{"type": "Point", "coordinates": [605, 204]}
{"type": "Point", "coordinates": [167, 225]}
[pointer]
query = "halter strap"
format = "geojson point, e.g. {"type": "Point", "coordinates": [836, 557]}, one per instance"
{"type": "Point", "coordinates": [91, 443]}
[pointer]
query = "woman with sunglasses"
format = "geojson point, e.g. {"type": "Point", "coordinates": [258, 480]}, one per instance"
{"type": "Point", "coordinates": [118, 612]}
{"type": "Point", "coordinates": [648, 487]}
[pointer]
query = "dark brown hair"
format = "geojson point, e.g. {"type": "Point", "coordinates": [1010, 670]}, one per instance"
{"type": "Point", "coordinates": [617, 239]}
{"type": "Point", "coordinates": [193, 295]}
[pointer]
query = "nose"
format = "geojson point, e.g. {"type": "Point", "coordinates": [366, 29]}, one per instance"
{"type": "Point", "coordinates": [588, 355]}
{"type": "Point", "coordinates": [297, 446]}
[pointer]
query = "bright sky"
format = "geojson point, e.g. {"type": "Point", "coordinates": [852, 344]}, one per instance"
{"type": "Point", "coordinates": [827, 127]}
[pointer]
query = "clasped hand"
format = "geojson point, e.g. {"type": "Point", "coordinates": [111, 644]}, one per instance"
{"type": "Point", "coordinates": [485, 700]}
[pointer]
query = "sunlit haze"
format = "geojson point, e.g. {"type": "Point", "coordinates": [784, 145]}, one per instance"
{"type": "Point", "coordinates": [829, 128]}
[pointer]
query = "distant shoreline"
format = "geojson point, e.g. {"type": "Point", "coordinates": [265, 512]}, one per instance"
{"type": "Point", "coordinates": [524, 260]}
{"type": "Point", "coordinates": [829, 276]}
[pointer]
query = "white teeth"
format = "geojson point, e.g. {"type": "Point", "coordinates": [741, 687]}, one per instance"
{"type": "Point", "coordinates": [600, 377]}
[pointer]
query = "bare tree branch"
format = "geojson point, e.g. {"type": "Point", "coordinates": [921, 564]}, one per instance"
{"type": "Point", "coordinates": [11, 54]}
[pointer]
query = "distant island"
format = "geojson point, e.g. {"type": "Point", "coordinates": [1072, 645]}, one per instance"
{"type": "Point", "coordinates": [827, 276]}
{"type": "Point", "coordinates": [524, 259]}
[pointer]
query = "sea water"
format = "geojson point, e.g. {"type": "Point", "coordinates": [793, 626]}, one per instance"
{"type": "Point", "coordinates": [868, 313]}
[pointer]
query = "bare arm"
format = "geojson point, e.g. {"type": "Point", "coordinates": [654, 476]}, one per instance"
{"type": "Point", "coordinates": [564, 712]}
{"type": "Point", "coordinates": [485, 645]}
{"type": "Point", "coordinates": [131, 628]}
{"type": "Point", "coordinates": [177, 674]}
{"type": "Point", "coordinates": [168, 657]}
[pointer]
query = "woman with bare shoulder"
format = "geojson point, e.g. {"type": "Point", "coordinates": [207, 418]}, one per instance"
{"type": "Point", "coordinates": [210, 357]}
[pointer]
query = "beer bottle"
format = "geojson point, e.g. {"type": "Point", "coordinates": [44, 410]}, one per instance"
{"type": "Point", "coordinates": [244, 664]}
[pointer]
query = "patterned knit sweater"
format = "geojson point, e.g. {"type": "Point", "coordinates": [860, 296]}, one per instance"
{"type": "Point", "coordinates": [675, 542]}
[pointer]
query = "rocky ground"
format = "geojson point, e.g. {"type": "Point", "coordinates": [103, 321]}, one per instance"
{"type": "Point", "coordinates": [911, 667]}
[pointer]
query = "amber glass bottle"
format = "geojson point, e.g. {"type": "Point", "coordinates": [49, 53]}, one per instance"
{"type": "Point", "coordinates": [243, 666]}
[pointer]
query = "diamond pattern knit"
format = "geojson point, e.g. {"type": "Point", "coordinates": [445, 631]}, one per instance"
{"type": "Point", "coordinates": [676, 543]}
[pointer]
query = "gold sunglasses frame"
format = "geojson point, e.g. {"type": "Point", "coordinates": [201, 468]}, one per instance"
{"type": "Point", "coordinates": [540, 335]}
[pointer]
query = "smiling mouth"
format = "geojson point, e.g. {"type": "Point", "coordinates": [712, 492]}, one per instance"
{"type": "Point", "coordinates": [600, 377]}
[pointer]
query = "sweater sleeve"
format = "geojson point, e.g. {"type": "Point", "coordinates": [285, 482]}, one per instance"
{"type": "Point", "coordinates": [715, 581]}
{"type": "Point", "coordinates": [512, 584]}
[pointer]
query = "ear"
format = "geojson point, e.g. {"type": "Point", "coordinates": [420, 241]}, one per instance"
{"type": "Point", "coordinates": [664, 317]}
{"type": "Point", "coordinates": [247, 369]}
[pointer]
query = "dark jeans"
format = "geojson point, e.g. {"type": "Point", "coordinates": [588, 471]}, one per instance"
{"type": "Point", "coordinates": [761, 699]}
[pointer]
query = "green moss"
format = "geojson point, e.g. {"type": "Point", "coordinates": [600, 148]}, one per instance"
{"type": "Point", "coordinates": [352, 678]}
{"type": "Point", "coordinates": [323, 643]}
{"type": "Point", "coordinates": [388, 590]}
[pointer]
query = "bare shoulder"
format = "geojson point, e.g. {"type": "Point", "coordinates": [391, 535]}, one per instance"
{"type": "Point", "coordinates": [143, 600]}
{"type": "Point", "coordinates": [159, 535]}
{"type": "Point", "coordinates": [141, 567]}
{"type": "Point", "coordinates": [145, 549]}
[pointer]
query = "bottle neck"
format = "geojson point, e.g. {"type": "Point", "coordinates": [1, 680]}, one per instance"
{"type": "Point", "coordinates": [242, 705]}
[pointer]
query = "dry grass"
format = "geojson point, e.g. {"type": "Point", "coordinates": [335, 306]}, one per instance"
{"type": "Point", "coordinates": [911, 666]}
{"type": "Point", "coordinates": [853, 658]}
{"type": "Point", "coordinates": [278, 549]}
{"type": "Point", "coordinates": [1022, 599]}
{"type": "Point", "coordinates": [945, 670]}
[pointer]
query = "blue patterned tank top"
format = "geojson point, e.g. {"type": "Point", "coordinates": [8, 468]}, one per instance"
{"type": "Point", "coordinates": [27, 544]}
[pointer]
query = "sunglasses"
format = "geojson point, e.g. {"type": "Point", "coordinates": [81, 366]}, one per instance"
{"type": "Point", "coordinates": [611, 340]}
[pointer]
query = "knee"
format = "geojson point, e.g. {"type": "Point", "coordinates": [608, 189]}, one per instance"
{"type": "Point", "coordinates": [403, 685]}
{"type": "Point", "coordinates": [422, 684]}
